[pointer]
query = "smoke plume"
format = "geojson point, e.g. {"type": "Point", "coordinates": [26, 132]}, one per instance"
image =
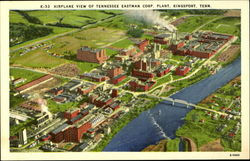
{"type": "Point", "coordinates": [150, 17]}
{"type": "Point", "coordinates": [43, 105]}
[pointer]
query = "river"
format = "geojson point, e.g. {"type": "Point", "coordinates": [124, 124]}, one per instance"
{"type": "Point", "coordinates": [163, 120]}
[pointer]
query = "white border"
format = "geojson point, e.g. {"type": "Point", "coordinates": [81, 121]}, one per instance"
{"type": "Point", "coordinates": [6, 155]}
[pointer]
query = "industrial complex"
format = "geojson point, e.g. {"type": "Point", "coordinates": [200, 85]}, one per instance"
{"type": "Point", "coordinates": [87, 105]}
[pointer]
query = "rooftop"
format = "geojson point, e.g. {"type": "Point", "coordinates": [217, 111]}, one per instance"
{"type": "Point", "coordinates": [60, 128]}
{"type": "Point", "coordinates": [86, 48]}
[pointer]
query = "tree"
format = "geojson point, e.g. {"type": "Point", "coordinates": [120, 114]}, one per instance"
{"type": "Point", "coordinates": [135, 32]}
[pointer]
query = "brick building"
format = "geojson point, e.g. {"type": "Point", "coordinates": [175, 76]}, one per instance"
{"type": "Point", "coordinates": [163, 70]}
{"type": "Point", "coordinates": [71, 113]}
{"type": "Point", "coordinates": [128, 52]}
{"type": "Point", "coordinates": [182, 70]}
{"type": "Point", "coordinates": [176, 46]}
{"type": "Point", "coordinates": [142, 44]}
{"type": "Point", "coordinates": [94, 77]}
{"type": "Point", "coordinates": [142, 75]}
{"type": "Point", "coordinates": [136, 85]}
{"type": "Point", "coordinates": [71, 133]}
{"type": "Point", "coordinates": [114, 93]}
{"type": "Point", "coordinates": [34, 83]}
{"type": "Point", "coordinates": [115, 80]}
{"type": "Point", "coordinates": [103, 101]}
{"type": "Point", "coordinates": [162, 38]}
{"type": "Point", "coordinates": [91, 55]}
{"type": "Point", "coordinates": [114, 71]}
{"type": "Point", "coordinates": [145, 64]}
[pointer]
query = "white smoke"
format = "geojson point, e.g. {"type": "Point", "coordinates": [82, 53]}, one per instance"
{"type": "Point", "coordinates": [43, 105]}
{"type": "Point", "coordinates": [151, 17]}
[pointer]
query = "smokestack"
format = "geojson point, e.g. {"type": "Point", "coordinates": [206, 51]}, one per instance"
{"type": "Point", "coordinates": [159, 47]}
{"type": "Point", "coordinates": [176, 35]}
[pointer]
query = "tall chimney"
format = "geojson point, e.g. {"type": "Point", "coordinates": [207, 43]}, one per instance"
{"type": "Point", "coordinates": [176, 35]}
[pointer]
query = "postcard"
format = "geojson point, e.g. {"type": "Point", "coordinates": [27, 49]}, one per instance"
{"type": "Point", "coordinates": [124, 80]}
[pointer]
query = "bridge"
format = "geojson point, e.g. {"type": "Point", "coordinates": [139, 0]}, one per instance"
{"type": "Point", "coordinates": [188, 104]}
{"type": "Point", "coordinates": [174, 101]}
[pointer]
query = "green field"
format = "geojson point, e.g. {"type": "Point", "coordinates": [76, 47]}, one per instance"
{"type": "Point", "coordinates": [17, 18]}
{"type": "Point", "coordinates": [93, 37]}
{"type": "Point", "coordinates": [193, 22]}
{"type": "Point", "coordinates": [162, 80]}
{"type": "Point", "coordinates": [227, 25]}
{"type": "Point", "coordinates": [203, 133]}
{"type": "Point", "coordinates": [56, 31]}
{"type": "Point", "coordinates": [86, 66]}
{"type": "Point", "coordinates": [72, 17]}
{"type": "Point", "coordinates": [111, 52]}
{"type": "Point", "coordinates": [22, 73]}
{"type": "Point", "coordinates": [37, 59]}
{"type": "Point", "coordinates": [123, 43]}
{"type": "Point", "coordinates": [173, 145]}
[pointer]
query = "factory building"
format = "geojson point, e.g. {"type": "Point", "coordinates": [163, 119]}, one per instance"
{"type": "Point", "coordinates": [114, 71]}
{"type": "Point", "coordinates": [204, 45]}
{"type": "Point", "coordinates": [91, 55]}
{"type": "Point", "coordinates": [114, 93]}
{"type": "Point", "coordinates": [163, 70]}
{"type": "Point", "coordinates": [56, 91]}
{"type": "Point", "coordinates": [115, 105]}
{"type": "Point", "coordinates": [142, 44]}
{"type": "Point", "coordinates": [23, 137]}
{"type": "Point", "coordinates": [128, 52]}
{"type": "Point", "coordinates": [162, 38]}
{"type": "Point", "coordinates": [147, 64]}
{"type": "Point", "coordinates": [71, 133]}
{"type": "Point", "coordinates": [73, 112]}
{"type": "Point", "coordinates": [96, 77]}
{"type": "Point", "coordinates": [137, 85]}
{"type": "Point", "coordinates": [115, 80]}
{"type": "Point", "coordinates": [34, 83]}
{"type": "Point", "coordinates": [103, 101]}
{"type": "Point", "coordinates": [182, 70]}
{"type": "Point", "coordinates": [86, 88]}
{"type": "Point", "coordinates": [142, 75]}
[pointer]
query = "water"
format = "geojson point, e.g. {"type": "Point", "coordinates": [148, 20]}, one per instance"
{"type": "Point", "coordinates": [163, 120]}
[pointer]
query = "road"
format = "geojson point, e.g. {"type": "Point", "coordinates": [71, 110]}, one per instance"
{"type": "Point", "coordinates": [62, 34]}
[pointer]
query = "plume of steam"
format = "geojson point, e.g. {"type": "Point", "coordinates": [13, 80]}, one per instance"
{"type": "Point", "coordinates": [43, 105]}
{"type": "Point", "coordinates": [150, 17]}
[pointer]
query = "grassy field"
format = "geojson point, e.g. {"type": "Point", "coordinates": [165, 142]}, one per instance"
{"type": "Point", "coordinates": [227, 25]}
{"type": "Point", "coordinates": [162, 80]}
{"type": "Point", "coordinates": [203, 133]}
{"type": "Point", "coordinates": [111, 52]}
{"type": "Point", "coordinates": [56, 31]}
{"type": "Point", "coordinates": [37, 59]}
{"type": "Point", "coordinates": [22, 73]}
{"type": "Point", "coordinates": [17, 18]}
{"type": "Point", "coordinates": [123, 43]}
{"type": "Point", "coordinates": [173, 145]}
{"type": "Point", "coordinates": [54, 107]}
{"type": "Point", "coordinates": [191, 23]}
{"type": "Point", "coordinates": [86, 66]}
{"type": "Point", "coordinates": [93, 37]}
{"type": "Point", "coordinates": [72, 17]}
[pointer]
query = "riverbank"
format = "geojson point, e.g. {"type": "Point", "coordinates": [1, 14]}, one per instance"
{"type": "Point", "coordinates": [122, 122]}
{"type": "Point", "coordinates": [163, 120]}
{"type": "Point", "coordinates": [204, 128]}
